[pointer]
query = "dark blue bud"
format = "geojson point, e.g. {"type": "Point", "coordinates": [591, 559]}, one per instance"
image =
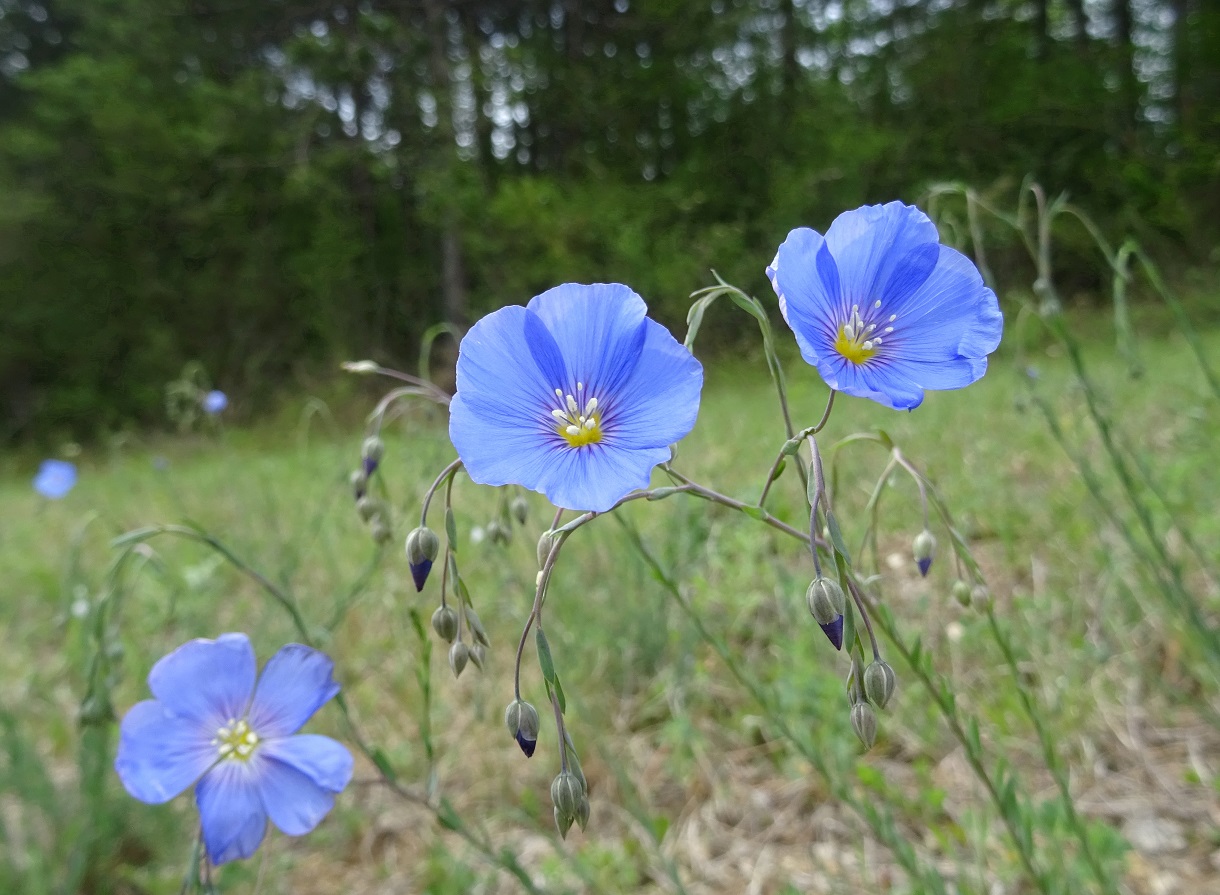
{"type": "Point", "coordinates": [924, 549]}
{"type": "Point", "coordinates": [419, 573]}
{"type": "Point", "coordinates": [370, 466]}
{"type": "Point", "coordinates": [924, 565]}
{"type": "Point", "coordinates": [834, 631]}
{"type": "Point", "coordinates": [527, 746]}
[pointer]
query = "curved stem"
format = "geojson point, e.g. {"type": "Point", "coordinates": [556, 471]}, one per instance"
{"type": "Point", "coordinates": [447, 473]}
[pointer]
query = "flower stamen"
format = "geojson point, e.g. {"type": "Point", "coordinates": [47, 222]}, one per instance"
{"type": "Point", "coordinates": [855, 340]}
{"type": "Point", "coordinates": [235, 739]}
{"type": "Point", "coordinates": [578, 425]}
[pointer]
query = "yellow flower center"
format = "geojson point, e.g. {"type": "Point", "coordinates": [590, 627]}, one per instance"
{"type": "Point", "coordinates": [856, 340]}
{"type": "Point", "coordinates": [579, 424]}
{"type": "Point", "coordinates": [235, 740]}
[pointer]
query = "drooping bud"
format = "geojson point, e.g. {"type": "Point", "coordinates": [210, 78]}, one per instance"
{"type": "Point", "coordinates": [521, 719]}
{"type": "Point", "coordinates": [980, 597]}
{"type": "Point", "coordinates": [826, 604]}
{"type": "Point", "coordinates": [499, 533]}
{"type": "Point", "coordinates": [545, 540]}
{"type": "Point", "coordinates": [582, 813]}
{"type": "Point", "coordinates": [961, 592]}
{"type": "Point", "coordinates": [359, 482]}
{"type": "Point", "coordinates": [422, 547]}
{"type": "Point", "coordinates": [478, 653]}
{"type": "Point", "coordinates": [566, 794]}
{"type": "Point", "coordinates": [445, 623]}
{"type": "Point", "coordinates": [879, 682]}
{"type": "Point", "coordinates": [864, 723]}
{"type": "Point", "coordinates": [380, 529]}
{"type": "Point", "coordinates": [367, 507]}
{"type": "Point", "coordinates": [924, 548]}
{"type": "Point", "coordinates": [371, 453]}
{"type": "Point", "coordinates": [459, 655]}
{"type": "Point", "coordinates": [520, 508]}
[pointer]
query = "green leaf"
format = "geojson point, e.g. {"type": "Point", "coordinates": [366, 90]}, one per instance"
{"type": "Point", "coordinates": [545, 662]}
{"type": "Point", "coordinates": [135, 535]}
{"type": "Point", "coordinates": [383, 764]}
{"type": "Point", "coordinates": [451, 528]}
{"type": "Point", "coordinates": [836, 538]}
{"type": "Point", "coordinates": [757, 513]}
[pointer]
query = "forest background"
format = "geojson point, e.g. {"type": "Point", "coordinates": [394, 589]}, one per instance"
{"type": "Point", "coordinates": [270, 187]}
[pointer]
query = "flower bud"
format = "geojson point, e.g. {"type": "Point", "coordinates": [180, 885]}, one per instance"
{"type": "Point", "coordinates": [370, 453]}
{"type": "Point", "coordinates": [459, 655]}
{"type": "Point", "coordinates": [980, 597]}
{"type": "Point", "coordinates": [879, 682]}
{"type": "Point", "coordinates": [961, 592]}
{"type": "Point", "coordinates": [499, 533]}
{"type": "Point", "coordinates": [566, 794]}
{"type": "Point", "coordinates": [826, 603]}
{"type": "Point", "coordinates": [367, 507]}
{"type": "Point", "coordinates": [422, 547]}
{"type": "Point", "coordinates": [582, 813]}
{"type": "Point", "coordinates": [521, 719]}
{"type": "Point", "coordinates": [545, 540]}
{"type": "Point", "coordinates": [520, 508]}
{"type": "Point", "coordinates": [864, 723]}
{"type": "Point", "coordinates": [359, 483]}
{"type": "Point", "coordinates": [445, 623]}
{"type": "Point", "coordinates": [381, 531]}
{"type": "Point", "coordinates": [475, 624]}
{"type": "Point", "coordinates": [478, 653]}
{"type": "Point", "coordinates": [924, 548]}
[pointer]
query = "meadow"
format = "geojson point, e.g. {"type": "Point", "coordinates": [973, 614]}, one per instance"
{"type": "Point", "coordinates": [1064, 740]}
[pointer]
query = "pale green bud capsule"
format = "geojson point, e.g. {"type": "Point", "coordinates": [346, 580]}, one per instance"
{"type": "Point", "coordinates": [521, 719]}
{"type": "Point", "coordinates": [381, 531]}
{"type": "Point", "coordinates": [563, 823]}
{"type": "Point", "coordinates": [566, 794]}
{"type": "Point", "coordinates": [961, 592]}
{"type": "Point", "coordinates": [545, 540]}
{"type": "Point", "coordinates": [980, 597]}
{"type": "Point", "coordinates": [825, 600]}
{"type": "Point", "coordinates": [367, 507]}
{"type": "Point", "coordinates": [864, 723]}
{"type": "Point", "coordinates": [924, 548]}
{"type": "Point", "coordinates": [582, 813]}
{"type": "Point", "coordinates": [499, 533]}
{"type": "Point", "coordinates": [478, 653]}
{"type": "Point", "coordinates": [459, 655]}
{"type": "Point", "coordinates": [445, 623]}
{"type": "Point", "coordinates": [879, 683]}
{"type": "Point", "coordinates": [520, 508]}
{"type": "Point", "coordinates": [371, 453]}
{"type": "Point", "coordinates": [422, 546]}
{"type": "Point", "coordinates": [359, 483]}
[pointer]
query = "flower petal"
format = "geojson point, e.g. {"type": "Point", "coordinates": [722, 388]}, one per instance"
{"type": "Point", "coordinates": [870, 242]}
{"type": "Point", "coordinates": [160, 754]}
{"type": "Point", "coordinates": [658, 404]}
{"type": "Point", "coordinates": [295, 683]}
{"type": "Point", "coordinates": [230, 810]}
{"type": "Point", "coordinates": [207, 680]}
{"type": "Point", "coordinates": [298, 777]}
{"type": "Point", "coordinates": [808, 304]}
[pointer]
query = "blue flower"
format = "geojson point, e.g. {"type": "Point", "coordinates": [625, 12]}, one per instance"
{"type": "Point", "coordinates": [214, 402]}
{"type": "Point", "coordinates": [55, 478]}
{"type": "Point", "coordinates": [578, 396]}
{"type": "Point", "coordinates": [210, 725]}
{"type": "Point", "coordinates": [882, 309]}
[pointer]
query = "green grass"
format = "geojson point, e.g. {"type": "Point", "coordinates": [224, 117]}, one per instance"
{"type": "Point", "coordinates": [704, 775]}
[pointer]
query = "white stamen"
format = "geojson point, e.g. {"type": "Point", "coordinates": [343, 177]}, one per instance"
{"type": "Point", "coordinates": [559, 415]}
{"type": "Point", "coordinates": [589, 424]}
{"type": "Point", "coordinates": [580, 386]}
{"type": "Point", "coordinates": [573, 430]}
{"type": "Point", "coordinates": [877, 303]}
{"type": "Point", "coordinates": [893, 317]}
{"type": "Point", "coordinates": [889, 329]}
{"type": "Point", "coordinates": [877, 340]}
{"type": "Point", "coordinates": [867, 346]}
{"type": "Point", "coordinates": [558, 393]}
{"type": "Point", "coordinates": [572, 408]}
{"type": "Point", "coordinates": [590, 406]}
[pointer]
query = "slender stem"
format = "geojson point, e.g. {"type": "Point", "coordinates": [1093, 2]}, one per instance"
{"type": "Point", "coordinates": [803, 434]}
{"type": "Point", "coordinates": [868, 625]}
{"type": "Point", "coordinates": [447, 473]}
{"type": "Point", "coordinates": [561, 733]}
{"type": "Point", "coordinates": [544, 578]}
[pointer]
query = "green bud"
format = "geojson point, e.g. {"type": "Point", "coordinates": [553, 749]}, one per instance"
{"type": "Point", "coordinates": [864, 723]}
{"type": "Point", "coordinates": [367, 507]}
{"type": "Point", "coordinates": [359, 483]}
{"type": "Point", "coordinates": [372, 449]}
{"type": "Point", "coordinates": [445, 623]}
{"type": "Point", "coordinates": [566, 794]}
{"type": "Point", "coordinates": [879, 682]}
{"type": "Point", "coordinates": [381, 531]}
{"type": "Point", "coordinates": [499, 533]}
{"type": "Point", "coordinates": [478, 653]}
{"type": "Point", "coordinates": [961, 592]}
{"type": "Point", "coordinates": [582, 813]}
{"type": "Point", "coordinates": [475, 624]}
{"type": "Point", "coordinates": [422, 546]}
{"type": "Point", "coordinates": [545, 540]}
{"type": "Point", "coordinates": [825, 600]}
{"type": "Point", "coordinates": [980, 597]}
{"type": "Point", "coordinates": [924, 548]}
{"type": "Point", "coordinates": [521, 719]}
{"type": "Point", "coordinates": [520, 508]}
{"type": "Point", "coordinates": [459, 655]}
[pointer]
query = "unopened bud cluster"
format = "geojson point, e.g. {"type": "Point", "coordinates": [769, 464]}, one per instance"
{"type": "Point", "coordinates": [571, 802]}
{"type": "Point", "coordinates": [372, 511]}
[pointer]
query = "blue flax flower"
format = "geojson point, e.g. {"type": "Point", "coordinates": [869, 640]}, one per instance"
{"type": "Point", "coordinates": [214, 402]}
{"type": "Point", "coordinates": [55, 478]}
{"type": "Point", "coordinates": [577, 395]}
{"type": "Point", "coordinates": [211, 725]}
{"type": "Point", "coordinates": [882, 309]}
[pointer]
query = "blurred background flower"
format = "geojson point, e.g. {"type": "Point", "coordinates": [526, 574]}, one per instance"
{"type": "Point", "coordinates": [55, 478]}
